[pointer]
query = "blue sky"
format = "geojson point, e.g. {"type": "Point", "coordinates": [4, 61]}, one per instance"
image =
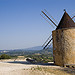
{"type": "Point", "coordinates": [21, 25]}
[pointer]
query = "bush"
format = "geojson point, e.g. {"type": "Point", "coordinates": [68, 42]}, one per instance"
{"type": "Point", "coordinates": [41, 58]}
{"type": "Point", "coordinates": [5, 56]}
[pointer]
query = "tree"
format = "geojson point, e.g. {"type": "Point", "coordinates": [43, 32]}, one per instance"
{"type": "Point", "coordinates": [5, 56]}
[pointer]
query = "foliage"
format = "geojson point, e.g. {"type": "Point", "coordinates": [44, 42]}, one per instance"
{"type": "Point", "coordinates": [13, 57]}
{"type": "Point", "coordinates": [21, 52]}
{"type": "Point", "coordinates": [39, 68]}
{"type": "Point", "coordinates": [41, 58]}
{"type": "Point", "coordinates": [5, 56]}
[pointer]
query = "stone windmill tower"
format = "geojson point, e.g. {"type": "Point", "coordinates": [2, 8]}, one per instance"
{"type": "Point", "coordinates": [64, 41]}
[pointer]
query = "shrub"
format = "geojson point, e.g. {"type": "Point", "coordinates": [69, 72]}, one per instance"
{"type": "Point", "coordinates": [5, 56]}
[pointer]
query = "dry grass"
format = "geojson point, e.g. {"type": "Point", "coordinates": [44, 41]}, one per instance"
{"type": "Point", "coordinates": [55, 71]}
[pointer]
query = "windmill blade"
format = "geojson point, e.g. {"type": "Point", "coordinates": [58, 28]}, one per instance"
{"type": "Point", "coordinates": [48, 43]}
{"type": "Point", "coordinates": [47, 40]}
{"type": "Point", "coordinates": [47, 20]}
{"type": "Point", "coordinates": [73, 17]}
{"type": "Point", "coordinates": [50, 16]}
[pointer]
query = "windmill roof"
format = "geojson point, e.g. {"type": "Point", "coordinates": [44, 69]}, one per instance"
{"type": "Point", "coordinates": [66, 22]}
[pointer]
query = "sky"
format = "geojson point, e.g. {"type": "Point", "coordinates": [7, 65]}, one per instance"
{"type": "Point", "coordinates": [21, 25]}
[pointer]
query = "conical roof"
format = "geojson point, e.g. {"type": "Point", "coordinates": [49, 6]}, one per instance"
{"type": "Point", "coordinates": [66, 22]}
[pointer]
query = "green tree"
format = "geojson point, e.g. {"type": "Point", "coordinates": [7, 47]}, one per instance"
{"type": "Point", "coordinates": [5, 56]}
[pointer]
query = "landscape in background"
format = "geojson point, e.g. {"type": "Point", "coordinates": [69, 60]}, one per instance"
{"type": "Point", "coordinates": [35, 53]}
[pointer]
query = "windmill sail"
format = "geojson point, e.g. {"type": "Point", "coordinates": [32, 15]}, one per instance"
{"type": "Point", "coordinates": [48, 43]}
{"type": "Point", "coordinates": [47, 40]}
{"type": "Point", "coordinates": [73, 17]}
{"type": "Point", "coordinates": [50, 38]}
{"type": "Point", "coordinates": [48, 18]}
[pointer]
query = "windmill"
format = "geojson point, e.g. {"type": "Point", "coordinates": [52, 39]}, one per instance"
{"type": "Point", "coordinates": [49, 40]}
{"type": "Point", "coordinates": [63, 40]}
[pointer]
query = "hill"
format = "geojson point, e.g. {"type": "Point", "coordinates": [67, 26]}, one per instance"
{"type": "Point", "coordinates": [35, 48]}
{"type": "Point", "coordinates": [28, 51]}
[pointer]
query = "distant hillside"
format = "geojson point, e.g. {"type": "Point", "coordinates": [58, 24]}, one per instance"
{"type": "Point", "coordinates": [28, 51]}
{"type": "Point", "coordinates": [35, 48]}
{"type": "Point", "coordinates": [46, 51]}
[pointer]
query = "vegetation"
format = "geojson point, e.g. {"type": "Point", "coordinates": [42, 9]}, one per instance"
{"type": "Point", "coordinates": [40, 58]}
{"type": "Point", "coordinates": [54, 71]}
{"type": "Point", "coordinates": [21, 52]}
{"type": "Point", "coordinates": [14, 57]}
{"type": "Point", "coordinates": [5, 56]}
